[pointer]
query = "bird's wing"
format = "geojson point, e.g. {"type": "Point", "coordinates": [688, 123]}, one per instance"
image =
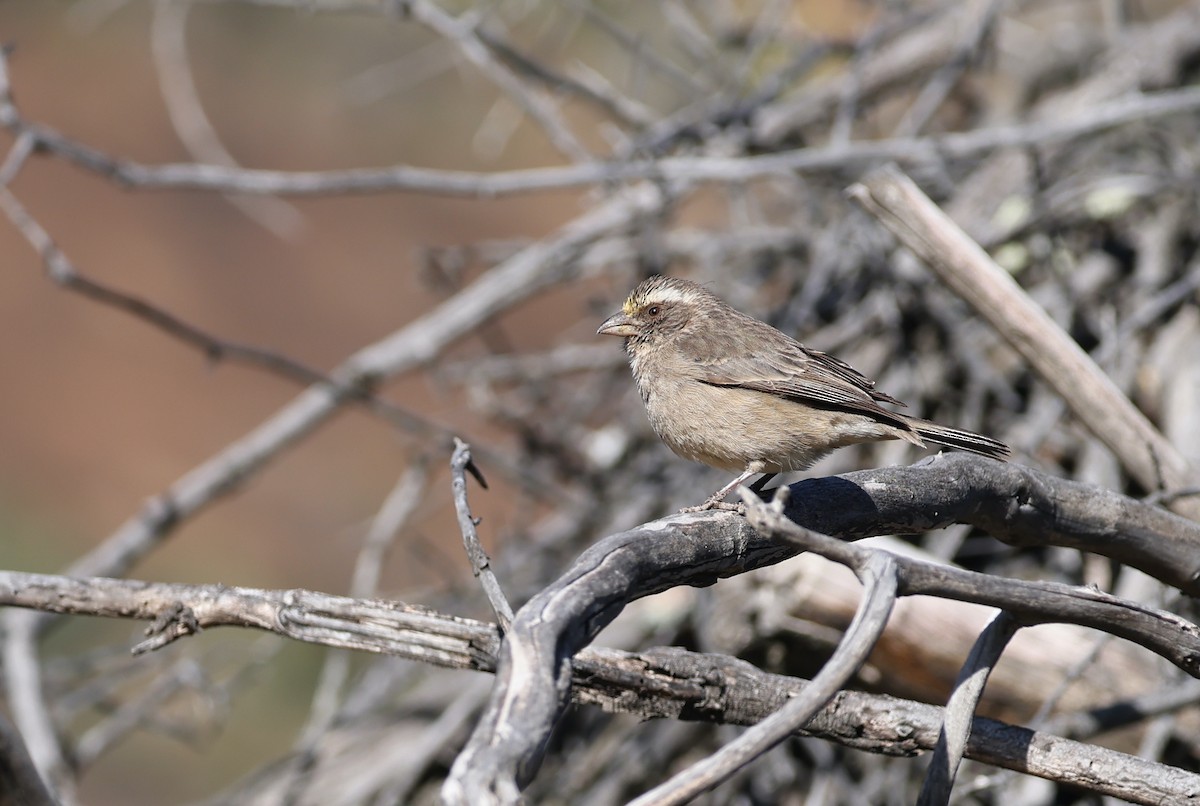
{"type": "Point", "coordinates": [793, 371]}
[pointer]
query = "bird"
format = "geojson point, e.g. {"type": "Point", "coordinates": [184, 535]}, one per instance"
{"type": "Point", "coordinates": [732, 392]}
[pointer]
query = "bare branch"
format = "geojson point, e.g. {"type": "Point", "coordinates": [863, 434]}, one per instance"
{"type": "Point", "coordinates": [858, 155]}
{"type": "Point", "coordinates": [177, 610]}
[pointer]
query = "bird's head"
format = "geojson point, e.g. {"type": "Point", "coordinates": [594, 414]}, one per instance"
{"type": "Point", "coordinates": [659, 308]}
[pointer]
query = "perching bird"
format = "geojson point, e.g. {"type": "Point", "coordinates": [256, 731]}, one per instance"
{"type": "Point", "coordinates": [731, 392]}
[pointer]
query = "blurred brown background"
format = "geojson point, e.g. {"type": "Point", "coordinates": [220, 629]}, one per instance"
{"type": "Point", "coordinates": [99, 411]}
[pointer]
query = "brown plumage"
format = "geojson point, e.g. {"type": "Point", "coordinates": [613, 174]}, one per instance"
{"type": "Point", "coordinates": [727, 390]}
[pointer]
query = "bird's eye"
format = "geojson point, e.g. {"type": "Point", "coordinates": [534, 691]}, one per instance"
{"type": "Point", "coordinates": [653, 310]}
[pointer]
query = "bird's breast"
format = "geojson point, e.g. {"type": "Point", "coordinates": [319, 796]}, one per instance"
{"type": "Point", "coordinates": [692, 418]}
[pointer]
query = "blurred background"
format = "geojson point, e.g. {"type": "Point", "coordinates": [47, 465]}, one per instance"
{"type": "Point", "coordinates": [101, 411]}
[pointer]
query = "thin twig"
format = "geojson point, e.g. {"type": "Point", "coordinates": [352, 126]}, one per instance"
{"type": "Point", "coordinates": [481, 566]}
{"type": "Point", "coordinates": [60, 269]}
{"type": "Point", "coordinates": [461, 32]}
{"type": "Point", "coordinates": [23, 147]}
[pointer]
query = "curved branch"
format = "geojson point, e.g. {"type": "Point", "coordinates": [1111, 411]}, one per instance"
{"type": "Point", "coordinates": [879, 576]}
{"type": "Point", "coordinates": [533, 680]}
{"type": "Point", "coordinates": [1163, 633]}
{"type": "Point", "coordinates": [960, 711]}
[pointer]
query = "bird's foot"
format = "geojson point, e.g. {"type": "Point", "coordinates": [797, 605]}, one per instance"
{"type": "Point", "coordinates": [716, 505]}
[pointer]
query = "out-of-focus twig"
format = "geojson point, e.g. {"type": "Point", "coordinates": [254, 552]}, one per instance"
{"type": "Point", "coordinates": [168, 41]}
{"type": "Point", "coordinates": [19, 779]}
{"type": "Point", "coordinates": [396, 510]}
{"type": "Point", "coordinates": [462, 33]}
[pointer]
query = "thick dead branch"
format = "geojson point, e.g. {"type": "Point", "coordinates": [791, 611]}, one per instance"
{"type": "Point", "coordinates": [1011, 502]}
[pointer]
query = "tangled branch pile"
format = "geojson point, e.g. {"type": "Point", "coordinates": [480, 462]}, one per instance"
{"type": "Point", "coordinates": [717, 142]}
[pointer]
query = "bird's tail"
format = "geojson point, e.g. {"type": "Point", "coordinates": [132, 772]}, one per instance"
{"type": "Point", "coordinates": [963, 440]}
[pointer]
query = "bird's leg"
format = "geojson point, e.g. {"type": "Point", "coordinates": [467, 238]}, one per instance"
{"type": "Point", "coordinates": [716, 500]}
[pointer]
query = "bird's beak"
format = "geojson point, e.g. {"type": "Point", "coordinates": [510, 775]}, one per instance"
{"type": "Point", "coordinates": [617, 325]}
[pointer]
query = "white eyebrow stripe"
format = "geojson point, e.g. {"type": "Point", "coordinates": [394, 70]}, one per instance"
{"type": "Point", "coordinates": [661, 294]}
{"type": "Point", "coordinates": [668, 294]}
